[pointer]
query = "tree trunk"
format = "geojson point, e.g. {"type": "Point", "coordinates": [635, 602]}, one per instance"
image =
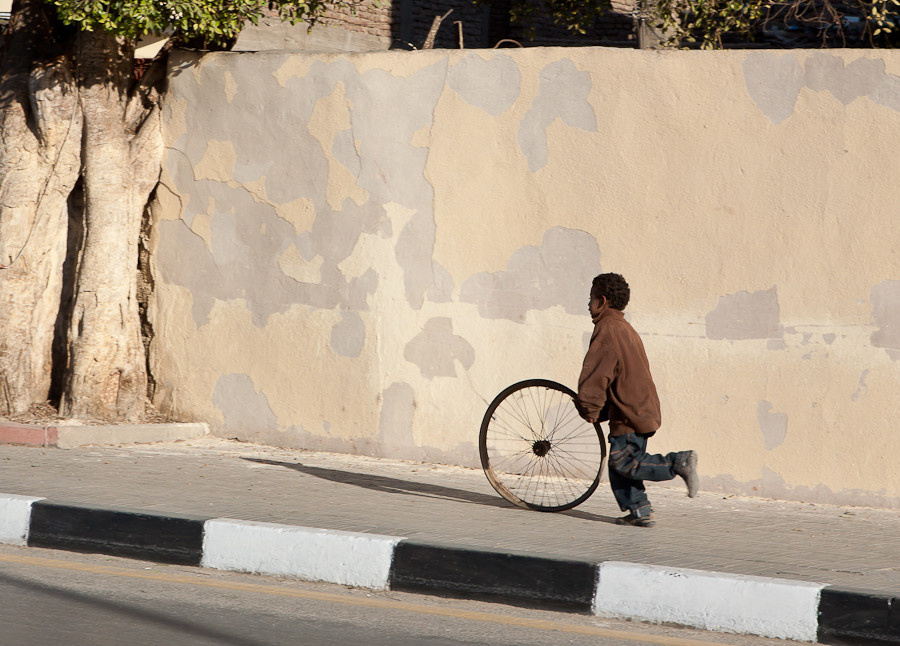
{"type": "Point", "coordinates": [40, 145]}
{"type": "Point", "coordinates": [122, 151]}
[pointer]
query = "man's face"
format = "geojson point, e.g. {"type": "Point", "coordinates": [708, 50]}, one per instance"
{"type": "Point", "coordinates": [596, 306]}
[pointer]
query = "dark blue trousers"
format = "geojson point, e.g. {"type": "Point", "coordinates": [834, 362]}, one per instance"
{"type": "Point", "coordinates": [630, 465]}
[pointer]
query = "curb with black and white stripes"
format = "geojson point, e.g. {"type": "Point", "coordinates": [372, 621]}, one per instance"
{"type": "Point", "coordinates": [713, 601]}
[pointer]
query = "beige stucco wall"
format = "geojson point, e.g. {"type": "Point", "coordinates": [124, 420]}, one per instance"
{"type": "Point", "coordinates": [357, 252]}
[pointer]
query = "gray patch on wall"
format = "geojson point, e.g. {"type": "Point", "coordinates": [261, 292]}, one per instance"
{"type": "Point", "coordinates": [241, 261]}
{"type": "Point", "coordinates": [492, 85]}
{"type": "Point", "coordinates": [177, 242]}
{"type": "Point", "coordinates": [395, 423]}
{"type": "Point", "coordinates": [436, 349]}
{"type": "Point", "coordinates": [773, 425]}
{"type": "Point", "coordinates": [825, 73]}
{"type": "Point", "coordinates": [344, 150]}
{"type": "Point", "coordinates": [885, 299]}
{"type": "Point", "coordinates": [774, 81]}
{"type": "Point", "coordinates": [746, 316]}
{"type": "Point", "coordinates": [442, 289]}
{"type": "Point", "coordinates": [349, 335]}
{"type": "Point", "coordinates": [563, 95]}
{"type": "Point", "coordinates": [243, 408]}
{"type": "Point", "coordinates": [559, 272]}
{"type": "Point", "coordinates": [247, 235]}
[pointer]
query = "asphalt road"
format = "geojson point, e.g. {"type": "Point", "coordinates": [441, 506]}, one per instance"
{"type": "Point", "coordinates": [48, 598]}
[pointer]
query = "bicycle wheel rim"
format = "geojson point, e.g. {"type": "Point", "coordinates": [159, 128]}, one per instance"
{"type": "Point", "coordinates": [535, 449]}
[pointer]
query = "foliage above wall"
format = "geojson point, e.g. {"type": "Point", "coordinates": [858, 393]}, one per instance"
{"type": "Point", "coordinates": [210, 22]}
{"type": "Point", "coordinates": [715, 24]}
{"type": "Point", "coordinates": [797, 23]}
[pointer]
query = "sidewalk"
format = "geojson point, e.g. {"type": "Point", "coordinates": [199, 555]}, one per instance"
{"type": "Point", "coordinates": [711, 560]}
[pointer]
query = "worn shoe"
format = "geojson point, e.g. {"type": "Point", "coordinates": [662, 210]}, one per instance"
{"type": "Point", "coordinates": [686, 467]}
{"type": "Point", "coordinates": [637, 521]}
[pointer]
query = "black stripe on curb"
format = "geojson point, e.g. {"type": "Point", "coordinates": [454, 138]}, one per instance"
{"type": "Point", "coordinates": [858, 618]}
{"type": "Point", "coordinates": [117, 532]}
{"type": "Point", "coordinates": [501, 576]}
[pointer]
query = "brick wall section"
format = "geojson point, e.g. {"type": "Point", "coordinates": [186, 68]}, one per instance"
{"type": "Point", "coordinates": [367, 19]}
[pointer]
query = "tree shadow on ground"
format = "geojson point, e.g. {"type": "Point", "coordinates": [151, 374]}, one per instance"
{"type": "Point", "coordinates": [411, 488]}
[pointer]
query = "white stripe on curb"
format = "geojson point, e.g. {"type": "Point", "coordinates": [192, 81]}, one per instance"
{"type": "Point", "coordinates": [15, 518]}
{"type": "Point", "coordinates": [732, 603]}
{"type": "Point", "coordinates": [347, 558]}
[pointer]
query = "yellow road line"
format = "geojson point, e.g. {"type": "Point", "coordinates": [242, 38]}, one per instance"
{"type": "Point", "coordinates": [367, 602]}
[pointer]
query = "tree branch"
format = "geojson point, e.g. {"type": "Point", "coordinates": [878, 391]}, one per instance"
{"type": "Point", "coordinates": [145, 94]}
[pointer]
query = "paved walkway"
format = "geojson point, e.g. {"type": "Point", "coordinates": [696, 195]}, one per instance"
{"type": "Point", "coordinates": [855, 548]}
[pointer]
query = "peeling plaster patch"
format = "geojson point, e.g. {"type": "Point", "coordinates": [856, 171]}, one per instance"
{"type": "Point", "coordinates": [885, 299]}
{"type": "Point", "coordinates": [492, 85]}
{"type": "Point", "coordinates": [774, 82]}
{"type": "Point", "coordinates": [888, 93]}
{"type": "Point", "coordinates": [861, 388]}
{"type": "Point", "coordinates": [177, 242]}
{"type": "Point", "coordinates": [563, 95]}
{"type": "Point", "coordinates": [344, 150]}
{"type": "Point", "coordinates": [217, 162]}
{"type": "Point", "coordinates": [378, 149]}
{"type": "Point", "coordinates": [829, 338]}
{"type": "Point", "coordinates": [395, 423]}
{"type": "Point", "coordinates": [436, 349]}
{"type": "Point", "coordinates": [772, 485]}
{"type": "Point", "coordinates": [349, 335]}
{"type": "Point", "coordinates": [776, 344]}
{"type": "Point", "coordinates": [773, 425]}
{"type": "Point", "coordinates": [295, 266]}
{"type": "Point", "coordinates": [360, 288]}
{"type": "Point", "coordinates": [335, 235]}
{"type": "Point", "coordinates": [330, 117]}
{"type": "Point", "coordinates": [243, 408]}
{"type": "Point", "coordinates": [255, 255]}
{"type": "Point", "coordinates": [745, 316]}
{"type": "Point", "coordinates": [442, 289]}
{"type": "Point", "coordinates": [393, 168]}
{"type": "Point", "coordinates": [559, 272]}
{"type": "Point", "coordinates": [200, 226]}
{"type": "Point", "coordinates": [413, 253]}
{"type": "Point", "coordinates": [305, 246]}
{"type": "Point", "coordinates": [250, 173]}
{"type": "Point", "coordinates": [422, 138]}
{"type": "Point", "coordinates": [827, 73]}
{"type": "Point", "coordinates": [301, 213]}
{"type": "Point", "coordinates": [231, 88]}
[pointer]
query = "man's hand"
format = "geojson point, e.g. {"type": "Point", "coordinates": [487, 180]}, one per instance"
{"type": "Point", "coordinates": [585, 415]}
{"type": "Point", "coordinates": [592, 418]}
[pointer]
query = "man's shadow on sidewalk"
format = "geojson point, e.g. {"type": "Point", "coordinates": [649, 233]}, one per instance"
{"type": "Point", "coordinates": [410, 488]}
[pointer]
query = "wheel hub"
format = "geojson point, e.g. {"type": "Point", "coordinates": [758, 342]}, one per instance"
{"type": "Point", "coordinates": [541, 448]}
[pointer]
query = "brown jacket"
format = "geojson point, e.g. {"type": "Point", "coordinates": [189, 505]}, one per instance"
{"type": "Point", "coordinates": [616, 371]}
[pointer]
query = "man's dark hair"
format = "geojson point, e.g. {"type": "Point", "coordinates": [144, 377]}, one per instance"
{"type": "Point", "coordinates": [614, 287]}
